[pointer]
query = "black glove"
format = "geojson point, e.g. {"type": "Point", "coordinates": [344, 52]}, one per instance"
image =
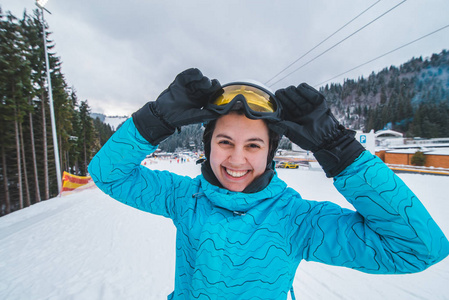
{"type": "Point", "coordinates": [309, 123]}
{"type": "Point", "coordinates": [180, 104]}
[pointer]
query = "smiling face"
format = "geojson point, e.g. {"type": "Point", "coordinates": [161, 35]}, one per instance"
{"type": "Point", "coordinates": [239, 150]}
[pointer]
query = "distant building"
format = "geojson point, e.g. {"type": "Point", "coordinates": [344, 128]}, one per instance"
{"type": "Point", "coordinates": [399, 151]}
{"type": "Point", "coordinates": [393, 148]}
{"type": "Point", "coordinates": [386, 138]}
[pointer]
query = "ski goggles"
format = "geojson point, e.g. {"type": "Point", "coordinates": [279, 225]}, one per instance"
{"type": "Point", "coordinates": [257, 102]}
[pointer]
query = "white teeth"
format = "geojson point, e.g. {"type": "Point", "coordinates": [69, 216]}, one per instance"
{"type": "Point", "coordinates": [236, 173]}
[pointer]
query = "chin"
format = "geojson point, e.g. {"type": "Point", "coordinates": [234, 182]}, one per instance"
{"type": "Point", "coordinates": [234, 187]}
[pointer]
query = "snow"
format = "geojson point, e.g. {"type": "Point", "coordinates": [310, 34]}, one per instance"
{"type": "Point", "coordinates": [438, 151]}
{"type": "Point", "coordinates": [88, 246]}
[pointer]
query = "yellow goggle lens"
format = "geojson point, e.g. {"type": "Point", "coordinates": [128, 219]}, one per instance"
{"type": "Point", "coordinates": [256, 99]}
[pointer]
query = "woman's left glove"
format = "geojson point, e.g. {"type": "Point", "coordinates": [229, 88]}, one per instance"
{"type": "Point", "coordinates": [309, 123]}
{"type": "Point", "coordinates": [180, 104]}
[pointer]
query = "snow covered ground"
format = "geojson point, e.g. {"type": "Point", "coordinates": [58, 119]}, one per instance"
{"type": "Point", "coordinates": [88, 246]}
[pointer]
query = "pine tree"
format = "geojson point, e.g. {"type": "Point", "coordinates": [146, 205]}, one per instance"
{"type": "Point", "coordinates": [34, 34]}
{"type": "Point", "coordinates": [5, 111]}
{"type": "Point", "coordinates": [87, 137]}
{"type": "Point", "coordinates": [16, 84]}
{"type": "Point", "coordinates": [24, 108]}
{"type": "Point", "coordinates": [418, 159]}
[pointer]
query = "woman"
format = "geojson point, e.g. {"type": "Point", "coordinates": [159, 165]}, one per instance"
{"type": "Point", "coordinates": [241, 232]}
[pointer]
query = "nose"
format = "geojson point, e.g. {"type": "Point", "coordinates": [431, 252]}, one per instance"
{"type": "Point", "coordinates": [237, 156]}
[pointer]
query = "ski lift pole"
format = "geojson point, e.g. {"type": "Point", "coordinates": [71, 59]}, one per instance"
{"type": "Point", "coordinates": [40, 4]}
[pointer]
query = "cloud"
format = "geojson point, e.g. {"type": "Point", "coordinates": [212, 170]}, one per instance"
{"type": "Point", "coordinates": [118, 55]}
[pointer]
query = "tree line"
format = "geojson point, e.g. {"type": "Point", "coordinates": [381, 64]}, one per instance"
{"type": "Point", "coordinates": [28, 172]}
{"type": "Point", "coordinates": [412, 99]}
{"type": "Point", "coordinates": [190, 138]}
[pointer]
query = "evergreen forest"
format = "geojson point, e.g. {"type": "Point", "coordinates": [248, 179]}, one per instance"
{"type": "Point", "coordinates": [412, 99]}
{"type": "Point", "coordinates": [28, 172]}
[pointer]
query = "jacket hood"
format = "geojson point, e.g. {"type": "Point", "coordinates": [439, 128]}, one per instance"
{"type": "Point", "coordinates": [238, 201]}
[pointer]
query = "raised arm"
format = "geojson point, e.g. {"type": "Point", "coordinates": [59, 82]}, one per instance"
{"type": "Point", "coordinates": [391, 231]}
{"type": "Point", "coordinates": [404, 236]}
{"type": "Point", "coordinates": [116, 167]}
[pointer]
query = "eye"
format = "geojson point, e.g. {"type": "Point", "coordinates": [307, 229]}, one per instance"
{"type": "Point", "coordinates": [254, 146]}
{"type": "Point", "coordinates": [225, 143]}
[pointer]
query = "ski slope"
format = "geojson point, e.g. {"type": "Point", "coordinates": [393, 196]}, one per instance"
{"type": "Point", "coordinates": [88, 246]}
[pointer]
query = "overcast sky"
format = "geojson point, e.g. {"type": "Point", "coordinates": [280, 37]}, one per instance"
{"type": "Point", "coordinates": [120, 54]}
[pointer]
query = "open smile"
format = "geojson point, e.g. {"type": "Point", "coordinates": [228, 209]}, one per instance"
{"type": "Point", "coordinates": [236, 174]}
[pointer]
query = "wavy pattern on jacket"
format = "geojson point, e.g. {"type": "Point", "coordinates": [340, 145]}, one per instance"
{"type": "Point", "coordinates": [231, 245]}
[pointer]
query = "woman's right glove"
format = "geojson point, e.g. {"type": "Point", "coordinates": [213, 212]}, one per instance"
{"type": "Point", "coordinates": [309, 123]}
{"type": "Point", "coordinates": [180, 104]}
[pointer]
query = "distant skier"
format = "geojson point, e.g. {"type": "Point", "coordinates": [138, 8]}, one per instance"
{"type": "Point", "coordinates": [241, 232]}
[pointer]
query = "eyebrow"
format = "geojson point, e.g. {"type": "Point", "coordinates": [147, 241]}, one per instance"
{"type": "Point", "coordinates": [254, 139]}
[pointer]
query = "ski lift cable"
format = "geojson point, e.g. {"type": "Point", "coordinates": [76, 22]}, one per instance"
{"type": "Point", "coordinates": [338, 43]}
{"type": "Point", "coordinates": [380, 56]}
{"type": "Point", "coordinates": [320, 43]}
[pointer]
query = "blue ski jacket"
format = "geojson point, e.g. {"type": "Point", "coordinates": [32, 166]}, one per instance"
{"type": "Point", "coordinates": [232, 245]}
